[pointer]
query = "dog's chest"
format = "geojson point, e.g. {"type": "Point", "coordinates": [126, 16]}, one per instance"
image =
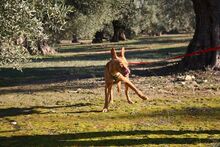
{"type": "Point", "coordinates": [115, 78]}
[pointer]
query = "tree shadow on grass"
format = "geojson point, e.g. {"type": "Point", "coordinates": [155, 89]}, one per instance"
{"type": "Point", "coordinates": [47, 75]}
{"type": "Point", "coordinates": [132, 54]}
{"type": "Point", "coordinates": [17, 111]}
{"type": "Point", "coordinates": [159, 40]}
{"type": "Point", "coordinates": [50, 75]}
{"type": "Point", "coordinates": [86, 48]}
{"type": "Point", "coordinates": [101, 138]}
{"type": "Point", "coordinates": [199, 112]}
{"type": "Point", "coordinates": [32, 110]}
{"type": "Point", "coordinates": [25, 81]}
{"type": "Point", "coordinates": [70, 87]}
{"type": "Point", "coordinates": [106, 46]}
{"type": "Point", "coordinates": [163, 68]}
{"type": "Point", "coordinates": [11, 77]}
{"type": "Point", "coordinates": [204, 113]}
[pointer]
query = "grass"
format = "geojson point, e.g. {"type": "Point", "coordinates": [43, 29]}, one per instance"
{"type": "Point", "coordinates": [56, 100]}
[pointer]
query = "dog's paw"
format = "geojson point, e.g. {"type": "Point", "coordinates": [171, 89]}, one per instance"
{"type": "Point", "coordinates": [144, 97]}
{"type": "Point", "coordinates": [111, 101]}
{"type": "Point", "coordinates": [130, 102]}
{"type": "Point", "coordinates": [105, 110]}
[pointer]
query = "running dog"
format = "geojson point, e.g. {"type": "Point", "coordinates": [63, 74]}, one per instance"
{"type": "Point", "coordinates": [116, 71]}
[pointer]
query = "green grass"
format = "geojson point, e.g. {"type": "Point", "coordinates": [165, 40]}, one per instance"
{"type": "Point", "coordinates": [56, 100]}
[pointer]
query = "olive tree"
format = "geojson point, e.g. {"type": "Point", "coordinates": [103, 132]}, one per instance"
{"type": "Point", "coordinates": [207, 35]}
{"type": "Point", "coordinates": [24, 24]}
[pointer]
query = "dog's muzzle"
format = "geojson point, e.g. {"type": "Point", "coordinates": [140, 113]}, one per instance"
{"type": "Point", "coordinates": [126, 72]}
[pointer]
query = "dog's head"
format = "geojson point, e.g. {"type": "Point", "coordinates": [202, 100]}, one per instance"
{"type": "Point", "coordinates": [120, 62]}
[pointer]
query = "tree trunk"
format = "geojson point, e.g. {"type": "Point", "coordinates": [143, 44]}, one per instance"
{"type": "Point", "coordinates": [75, 38]}
{"type": "Point", "coordinates": [23, 40]}
{"type": "Point", "coordinates": [27, 46]}
{"type": "Point", "coordinates": [207, 35]}
{"type": "Point", "coordinates": [98, 37]}
{"type": "Point", "coordinates": [119, 31]}
{"type": "Point", "coordinates": [44, 48]}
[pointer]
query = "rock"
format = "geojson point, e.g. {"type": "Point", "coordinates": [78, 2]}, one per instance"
{"type": "Point", "coordinates": [152, 87]}
{"type": "Point", "coordinates": [189, 78]}
{"type": "Point", "coordinates": [200, 81]}
{"type": "Point", "coordinates": [72, 91]}
{"type": "Point", "coordinates": [14, 123]}
{"type": "Point", "coordinates": [79, 89]}
{"type": "Point", "coordinates": [185, 78]}
{"type": "Point", "coordinates": [205, 81]}
{"type": "Point", "coordinates": [183, 83]}
{"type": "Point", "coordinates": [75, 91]}
{"type": "Point", "coordinates": [52, 111]}
{"type": "Point", "coordinates": [180, 78]}
{"type": "Point", "coordinates": [195, 84]}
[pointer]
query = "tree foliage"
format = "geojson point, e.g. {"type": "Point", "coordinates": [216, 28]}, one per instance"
{"type": "Point", "coordinates": [178, 14]}
{"type": "Point", "coordinates": [33, 20]}
{"type": "Point", "coordinates": [135, 15]}
{"type": "Point", "coordinates": [90, 16]}
{"type": "Point", "coordinates": [161, 15]}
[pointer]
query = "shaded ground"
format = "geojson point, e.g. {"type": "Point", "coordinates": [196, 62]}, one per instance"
{"type": "Point", "coordinates": [56, 100]}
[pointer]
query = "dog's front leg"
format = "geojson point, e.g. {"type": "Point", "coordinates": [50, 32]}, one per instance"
{"type": "Point", "coordinates": [110, 94]}
{"type": "Point", "coordinates": [108, 91]}
{"type": "Point", "coordinates": [131, 85]}
{"type": "Point", "coordinates": [105, 109]}
{"type": "Point", "coordinates": [119, 87]}
{"type": "Point", "coordinates": [126, 93]}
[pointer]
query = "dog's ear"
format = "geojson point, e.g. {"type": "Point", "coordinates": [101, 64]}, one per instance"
{"type": "Point", "coordinates": [113, 53]}
{"type": "Point", "coordinates": [122, 52]}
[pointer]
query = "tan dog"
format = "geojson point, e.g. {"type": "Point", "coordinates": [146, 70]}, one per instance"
{"type": "Point", "coordinates": [116, 70]}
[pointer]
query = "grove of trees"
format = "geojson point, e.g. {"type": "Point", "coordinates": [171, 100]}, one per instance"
{"type": "Point", "coordinates": [207, 35]}
{"type": "Point", "coordinates": [32, 26]}
{"type": "Point", "coordinates": [27, 26]}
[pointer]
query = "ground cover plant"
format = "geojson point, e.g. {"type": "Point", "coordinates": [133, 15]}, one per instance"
{"type": "Point", "coordinates": [57, 100]}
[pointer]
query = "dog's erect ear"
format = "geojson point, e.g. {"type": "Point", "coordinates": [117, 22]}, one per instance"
{"type": "Point", "coordinates": [113, 53]}
{"type": "Point", "coordinates": [122, 52]}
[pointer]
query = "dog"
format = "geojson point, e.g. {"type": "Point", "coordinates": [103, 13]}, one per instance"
{"type": "Point", "coordinates": [116, 71]}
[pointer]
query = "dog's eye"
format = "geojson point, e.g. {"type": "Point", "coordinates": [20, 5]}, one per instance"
{"type": "Point", "coordinates": [121, 65]}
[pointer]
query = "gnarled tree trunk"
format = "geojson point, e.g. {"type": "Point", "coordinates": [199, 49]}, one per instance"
{"type": "Point", "coordinates": [207, 35]}
{"type": "Point", "coordinates": [75, 38]}
{"type": "Point", "coordinates": [99, 36]}
{"type": "Point", "coordinates": [44, 48]}
{"type": "Point", "coordinates": [119, 31]}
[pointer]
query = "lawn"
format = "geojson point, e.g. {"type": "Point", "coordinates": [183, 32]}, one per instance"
{"type": "Point", "coordinates": [57, 100]}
